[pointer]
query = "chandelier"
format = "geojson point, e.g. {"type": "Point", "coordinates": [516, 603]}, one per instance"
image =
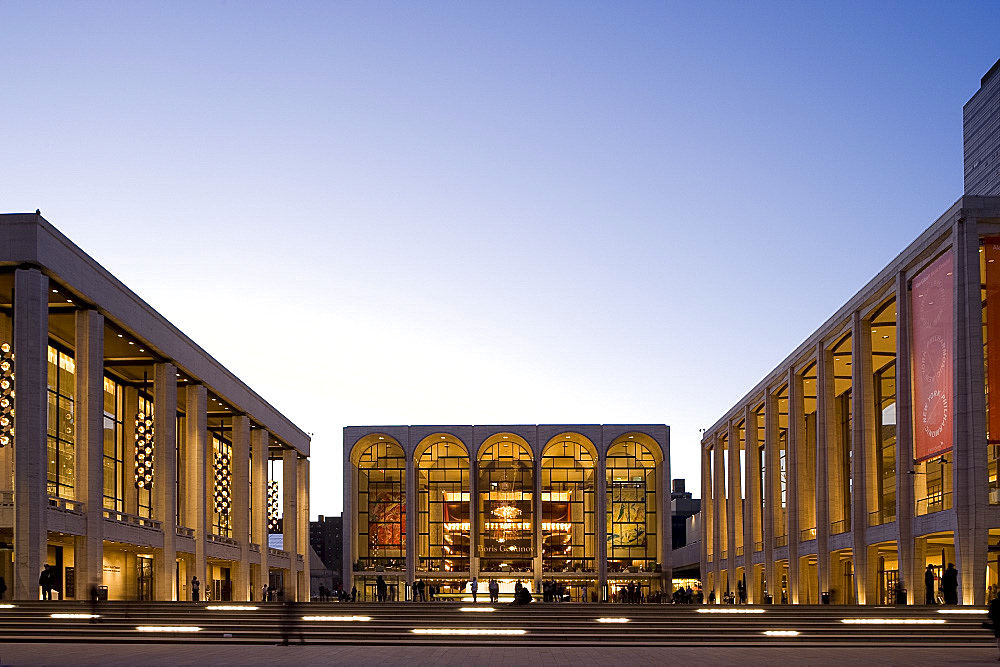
{"type": "Point", "coordinates": [506, 514]}
{"type": "Point", "coordinates": [6, 395]}
{"type": "Point", "coordinates": [272, 506]}
{"type": "Point", "coordinates": [223, 483]}
{"type": "Point", "coordinates": [144, 442]}
{"type": "Point", "coordinates": [144, 451]}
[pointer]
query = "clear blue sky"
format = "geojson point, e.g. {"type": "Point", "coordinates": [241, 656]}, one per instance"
{"type": "Point", "coordinates": [490, 212]}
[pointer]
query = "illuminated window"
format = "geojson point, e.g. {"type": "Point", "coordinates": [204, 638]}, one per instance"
{"type": "Point", "coordinates": [506, 509]}
{"type": "Point", "coordinates": [442, 505]}
{"type": "Point", "coordinates": [569, 540]}
{"type": "Point", "coordinates": [114, 448]}
{"type": "Point", "coordinates": [61, 423]}
{"type": "Point", "coordinates": [381, 485]}
{"type": "Point", "coordinates": [631, 504]}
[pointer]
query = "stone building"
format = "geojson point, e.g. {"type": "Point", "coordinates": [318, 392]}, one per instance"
{"type": "Point", "coordinates": [129, 457]}
{"type": "Point", "coordinates": [871, 451]}
{"type": "Point", "coordinates": [584, 506]}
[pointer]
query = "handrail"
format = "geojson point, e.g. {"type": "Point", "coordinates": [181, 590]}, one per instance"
{"type": "Point", "coordinates": [184, 531]}
{"type": "Point", "coordinates": [127, 519]}
{"type": "Point", "coordinates": [62, 504]}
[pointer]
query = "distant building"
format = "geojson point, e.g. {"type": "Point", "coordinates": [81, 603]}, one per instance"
{"type": "Point", "coordinates": [682, 507]}
{"type": "Point", "coordinates": [326, 537]}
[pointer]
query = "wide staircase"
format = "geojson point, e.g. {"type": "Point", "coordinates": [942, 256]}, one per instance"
{"type": "Point", "coordinates": [467, 624]}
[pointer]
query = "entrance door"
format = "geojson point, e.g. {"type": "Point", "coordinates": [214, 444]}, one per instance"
{"type": "Point", "coordinates": [144, 569]}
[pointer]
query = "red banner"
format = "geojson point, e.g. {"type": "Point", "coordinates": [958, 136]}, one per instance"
{"type": "Point", "coordinates": [991, 252]}
{"type": "Point", "coordinates": [931, 304]}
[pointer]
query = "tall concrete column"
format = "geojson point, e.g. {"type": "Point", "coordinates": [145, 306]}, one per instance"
{"type": "Point", "coordinates": [734, 508]}
{"type": "Point", "coordinates": [601, 517]}
{"type": "Point", "coordinates": [536, 521]}
{"type": "Point", "coordinates": [719, 514]}
{"type": "Point", "coordinates": [31, 339]}
{"type": "Point", "coordinates": [241, 504]}
{"type": "Point", "coordinates": [910, 566]}
{"type": "Point", "coordinates": [411, 507]}
{"type": "Point", "coordinates": [290, 515]}
{"type": "Point", "coordinates": [131, 408]}
{"type": "Point", "coordinates": [475, 532]}
{"type": "Point", "coordinates": [825, 433]}
{"type": "Point", "coordinates": [89, 432]}
{"type": "Point", "coordinates": [707, 503]}
{"type": "Point", "coordinates": [752, 506]}
{"type": "Point", "coordinates": [165, 474]}
{"type": "Point", "coordinates": [970, 491]}
{"type": "Point", "coordinates": [862, 436]}
{"type": "Point", "coordinates": [793, 445]}
{"type": "Point", "coordinates": [304, 550]}
{"type": "Point", "coordinates": [666, 546]}
{"type": "Point", "coordinates": [258, 445]}
{"type": "Point", "coordinates": [772, 490]}
{"type": "Point", "coordinates": [196, 455]}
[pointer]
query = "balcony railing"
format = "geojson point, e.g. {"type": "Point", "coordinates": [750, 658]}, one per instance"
{"type": "Point", "coordinates": [551, 564]}
{"type": "Point", "coordinates": [739, 551]}
{"type": "Point", "coordinates": [937, 502]}
{"type": "Point", "coordinates": [841, 526]}
{"type": "Point", "coordinates": [63, 505]}
{"type": "Point", "coordinates": [725, 554]}
{"type": "Point", "coordinates": [884, 515]}
{"type": "Point", "coordinates": [277, 552]}
{"type": "Point", "coordinates": [380, 563]}
{"type": "Point", "coordinates": [758, 545]}
{"type": "Point", "coordinates": [781, 540]}
{"type": "Point", "coordinates": [994, 497]}
{"type": "Point", "coordinates": [184, 531]}
{"type": "Point", "coordinates": [253, 546]}
{"type": "Point", "coordinates": [222, 539]}
{"type": "Point", "coordinates": [630, 565]}
{"type": "Point", "coordinates": [126, 519]}
{"type": "Point", "coordinates": [6, 498]}
{"type": "Point", "coordinates": [807, 534]}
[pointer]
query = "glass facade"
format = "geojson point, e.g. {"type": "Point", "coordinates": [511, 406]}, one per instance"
{"type": "Point", "coordinates": [144, 495]}
{"type": "Point", "coordinates": [632, 508]}
{"type": "Point", "coordinates": [381, 489]}
{"type": "Point", "coordinates": [222, 493]}
{"type": "Point", "coordinates": [569, 537]}
{"type": "Point", "coordinates": [61, 423]}
{"type": "Point", "coordinates": [443, 498]}
{"type": "Point", "coordinates": [114, 445]}
{"type": "Point", "coordinates": [506, 505]}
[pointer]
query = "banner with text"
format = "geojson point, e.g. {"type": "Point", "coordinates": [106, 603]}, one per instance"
{"type": "Point", "coordinates": [931, 303]}
{"type": "Point", "coordinates": [991, 260]}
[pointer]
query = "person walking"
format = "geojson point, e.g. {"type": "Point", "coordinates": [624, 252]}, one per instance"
{"type": "Point", "coordinates": [929, 585]}
{"type": "Point", "coordinates": [474, 587]}
{"type": "Point", "coordinates": [994, 616]}
{"type": "Point", "coordinates": [949, 582]}
{"type": "Point", "coordinates": [380, 589]}
{"type": "Point", "coordinates": [45, 581]}
{"type": "Point", "coordinates": [195, 589]}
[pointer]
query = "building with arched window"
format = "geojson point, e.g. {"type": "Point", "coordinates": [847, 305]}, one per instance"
{"type": "Point", "coordinates": [586, 506]}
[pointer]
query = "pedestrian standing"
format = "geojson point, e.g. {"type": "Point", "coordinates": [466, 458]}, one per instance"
{"type": "Point", "coordinates": [474, 587]}
{"type": "Point", "coordinates": [929, 585]}
{"type": "Point", "coordinates": [263, 593]}
{"type": "Point", "coordinates": [994, 615]}
{"type": "Point", "coordinates": [195, 589]}
{"type": "Point", "coordinates": [949, 582]}
{"type": "Point", "coordinates": [45, 581]}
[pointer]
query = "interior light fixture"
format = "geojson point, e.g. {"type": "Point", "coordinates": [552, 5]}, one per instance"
{"type": "Point", "coordinates": [231, 607]}
{"type": "Point", "coordinates": [272, 505]}
{"type": "Point", "coordinates": [223, 485]}
{"type": "Point", "coordinates": [6, 395]}
{"type": "Point", "coordinates": [144, 445]}
{"type": "Point", "coordinates": [893, 621]}
{"type": "Point", "coordinates": [468, 631]}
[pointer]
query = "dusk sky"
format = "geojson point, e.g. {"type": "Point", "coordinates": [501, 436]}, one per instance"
{"type": "Point", "coordinates": [491, 212]}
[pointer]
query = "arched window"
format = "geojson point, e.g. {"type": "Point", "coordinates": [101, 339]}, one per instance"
{"type": "Point", "coordinates": [568, 502]}
{"type": "Point", "coordinates": [506, 493]}
{"type": "Point", "coordinates": [381, 488]}
{"type": "Point", "coordinates": [442, 464]}
{"type": "Point", "coordinates": [631, 503]}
